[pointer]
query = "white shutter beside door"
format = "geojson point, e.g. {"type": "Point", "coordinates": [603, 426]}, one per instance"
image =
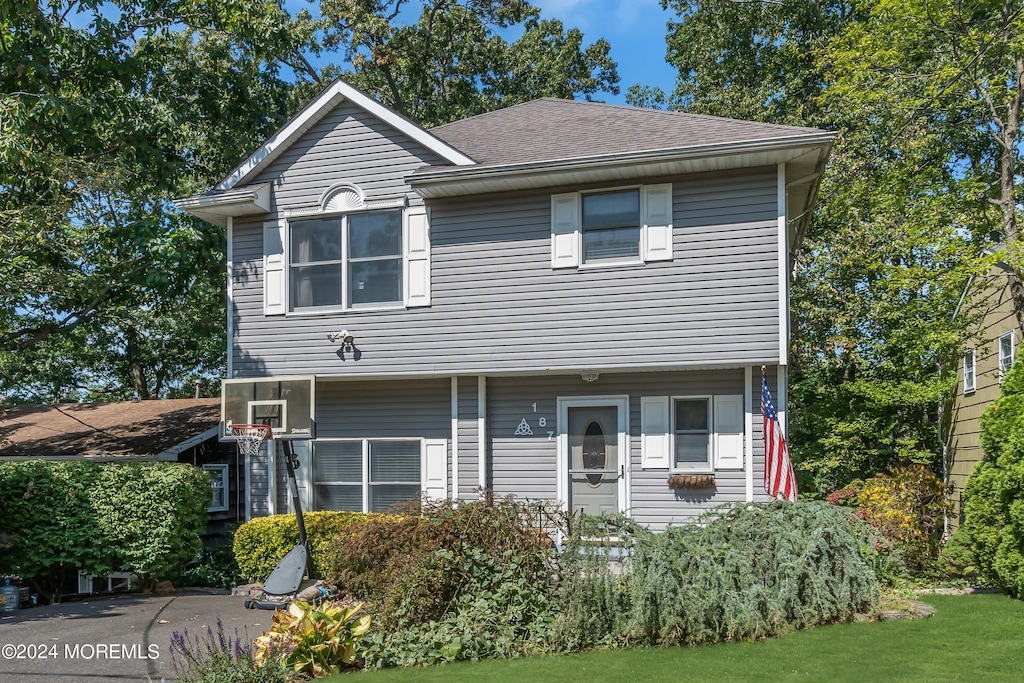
{"type": "Point", "coordinates": [729, 438]}
{"type": "Point", "coordinates": [565, 230]}
{"type": "Point", "coordinates": [275, 300]}
{"type": "Point", "coordinates": [654, 428]}
{"type": "Point", "coordinates": [417, 257]}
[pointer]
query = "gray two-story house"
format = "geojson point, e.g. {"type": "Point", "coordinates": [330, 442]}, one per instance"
{"type": "Point", "coordinates": [559, 300]}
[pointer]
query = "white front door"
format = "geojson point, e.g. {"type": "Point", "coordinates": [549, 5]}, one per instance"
{"type": "Point", "coordinates": [593, 454]}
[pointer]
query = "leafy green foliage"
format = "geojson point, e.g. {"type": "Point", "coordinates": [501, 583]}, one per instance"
{"type": "Point", "coordinates": [216, 567]}
{"type": "Point", "coordinates": [744, 571]}
{"type": "Point", "coordinates": [314, 639]}
{"type": "Point", "coordinates": [260, 543]}
{"type": "Point", "coordinates": [993, 500]}
{"type": "Point", "coordinates": [453, 61]}
{"type": "Point", "coordinates": [220, 658]}
{"type": "Point", "coordinates": [146, 518]}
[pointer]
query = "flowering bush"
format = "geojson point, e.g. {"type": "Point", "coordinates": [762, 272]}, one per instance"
{"type": "Point", "coordinates": [906, 505]}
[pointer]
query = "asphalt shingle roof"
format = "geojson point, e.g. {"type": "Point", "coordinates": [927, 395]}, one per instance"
{"type": "Point", "coordinates": [128, 428]}
{"type": "Point", "coordinates": [551, 129]}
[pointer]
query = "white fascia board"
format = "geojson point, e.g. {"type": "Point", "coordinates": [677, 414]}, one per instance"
{"type": "Point", "coordinates": [216, 208]}
{"type": "Point", "coordinates": [171, 454]}
{"type": "Point", "coordinates": [333, 95]}
{"type": "Point", "coordinates": [446, 176]}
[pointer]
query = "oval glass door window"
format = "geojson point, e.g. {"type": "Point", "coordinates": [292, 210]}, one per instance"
{"type": "Point", "coordinates": [595, 452]}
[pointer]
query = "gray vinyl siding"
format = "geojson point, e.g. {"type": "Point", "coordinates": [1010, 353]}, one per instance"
{"type": "Point", "coordinates": [259, 484]}
{"type": "Point", "coordinates": [497, 306]}
{"type": "Point", "coordinates": [366, 409]}
{"type": "Point", "coordinates": [525, 466]}
{"type": "Point", "coordinates": [348, 145]}
{"type": "Point", "coordinates": [469, 457]}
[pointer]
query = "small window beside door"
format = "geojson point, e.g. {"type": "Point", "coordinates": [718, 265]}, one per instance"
{"type": "Point", "coordinates": [693, 433]}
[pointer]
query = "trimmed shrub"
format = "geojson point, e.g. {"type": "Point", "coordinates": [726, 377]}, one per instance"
{"type": "Point", "coordinates": [215, 568]}
{"type": "Point", "coordinates": [993, 500]}
{"type": "Point", "coordinates": [260, 543]}
{"type": "Point", "coordinates": [153, 514]}
{"type": "Point", "coordinates": [64, 516]}
{"type": "Point", "coordinates": [51, 527]}
{"type": "Point", "coordinates": [741, 572]}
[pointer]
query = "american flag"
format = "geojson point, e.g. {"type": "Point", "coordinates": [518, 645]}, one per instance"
{"type": "Point", "coordinates": [779, 480]}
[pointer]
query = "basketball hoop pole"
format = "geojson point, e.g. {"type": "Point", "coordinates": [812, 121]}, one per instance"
{"type": "Point", "coordinates": [289, 461]}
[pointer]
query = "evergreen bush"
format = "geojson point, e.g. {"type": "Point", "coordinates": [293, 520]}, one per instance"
{"type": "Point", "coordinates": [740, 572]}
{"type": "Point", "coordinates": [260, 543]}
{"type": "Point", "coordinates": [993, 500]}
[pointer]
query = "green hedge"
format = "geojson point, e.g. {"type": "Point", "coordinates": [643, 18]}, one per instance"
{"type": "Point", "coordinates": [147, 518]}
{"type": "Point", "coordinates": [260, 543]}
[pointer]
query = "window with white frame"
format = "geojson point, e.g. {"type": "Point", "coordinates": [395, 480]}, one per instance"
{"type": "Point", "coordinates": [611, 226]}
{"type": "Point", "coordinates": [365, 475]}
{"type": "Point", "coordinates": [691, 430]}
{"type": "Point", "coordinates": [1006, 352]}
{"type": "Point", "coordinates": [969, 373]}
{"type": "Point", "coordinates": [348, 261]}
{"type": "Point", "coordinates": [218, 487]}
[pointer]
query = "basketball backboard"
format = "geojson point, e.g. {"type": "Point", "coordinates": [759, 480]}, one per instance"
{"type": "Point", "coordinates": [284, 403]}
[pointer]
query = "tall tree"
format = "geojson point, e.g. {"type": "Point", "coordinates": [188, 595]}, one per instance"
{"type": "Point", "coordinates": [887, 253]}
{"type": "Point", "coordinates": [453, 61]}
{"type": "Point", "coordinates": [109, 110]}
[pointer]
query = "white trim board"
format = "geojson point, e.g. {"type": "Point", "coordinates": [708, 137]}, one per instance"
{"type": "Point", "coordinates": [336, 93]}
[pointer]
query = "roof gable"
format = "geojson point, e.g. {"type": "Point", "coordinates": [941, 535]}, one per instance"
{"type": "Point", "coordinates": [334, 94]}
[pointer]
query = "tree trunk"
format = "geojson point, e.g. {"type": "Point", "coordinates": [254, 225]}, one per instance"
{"type": "Point", "coordinates": [137, 371]}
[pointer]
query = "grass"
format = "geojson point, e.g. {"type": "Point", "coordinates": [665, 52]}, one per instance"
{"type": "Point", "coordinates": [970, 638]}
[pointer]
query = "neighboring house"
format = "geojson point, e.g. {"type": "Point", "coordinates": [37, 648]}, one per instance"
{"type": "Point", "coordinates": [174, 430]}
{"type": "Point", "coordinates": [980, 374]}
{"type": "Point", "coordinates": [559, 300]}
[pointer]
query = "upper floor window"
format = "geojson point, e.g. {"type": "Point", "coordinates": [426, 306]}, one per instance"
{"type": "Point", "coordinates": [350, 261]}
{"type": "Point", "coordinates": [1006, 351]}
{"type": "Point", "coordinates": [614, 226]}
{"type": "Point", "coordinates": [969, 374]}
{"type": "Point", "coordinates": [611, 226]}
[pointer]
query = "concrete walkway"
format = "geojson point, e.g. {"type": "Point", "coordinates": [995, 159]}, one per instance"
{"type": "Point", "coordinates": [113, 638]}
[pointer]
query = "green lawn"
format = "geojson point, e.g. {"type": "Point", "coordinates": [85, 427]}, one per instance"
{"type": "Point", "coordinates": [978, 638]}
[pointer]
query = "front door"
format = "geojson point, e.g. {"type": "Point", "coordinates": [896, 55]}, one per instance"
{"type": "Point", "coordinates": [594, 455]}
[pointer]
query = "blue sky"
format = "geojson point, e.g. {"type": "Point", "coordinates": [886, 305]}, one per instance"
{"type": "Point", "coordinates": [634, 28]}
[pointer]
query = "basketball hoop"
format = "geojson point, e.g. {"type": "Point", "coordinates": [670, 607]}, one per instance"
{"type": "Point", "coordinates": [249, 437]}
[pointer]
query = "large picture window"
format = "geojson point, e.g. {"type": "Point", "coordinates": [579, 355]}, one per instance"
{"type": "Point", "coordinates": [611, 226]}
{"type": "Point", "coordinates": [365, 475]}
{"type": "Point", "coordinates": [346, 261]}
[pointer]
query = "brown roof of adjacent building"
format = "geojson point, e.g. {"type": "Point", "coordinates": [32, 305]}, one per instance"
{"type": "Point", "coordinates": [551, 129]}
{"type": "Point", "coordinates": [129, 428]}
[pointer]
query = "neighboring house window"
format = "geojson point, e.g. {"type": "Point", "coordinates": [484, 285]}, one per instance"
{"type": "Point", "coordinates": [365, 475]}
{"type": "Point", "coordinates": [611, 226]}
{"type": "Point", "coordinates": [218, 487]}
{"type": "Point", "coordinates": [1005, 354]}
{"type": "Point", "coordinates": [969, 383]}
{"type": "Point", "coordinates": [691, 428]}
{"type": "Point", "coordinates": [348, 261]}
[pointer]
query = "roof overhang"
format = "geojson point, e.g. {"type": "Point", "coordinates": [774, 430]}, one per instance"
{"type": "Point", "coordinates": [336, 93]}
{"type": "Point", "coordinates": [217, 207]}
{"type": "Point", "coordinates": [457, 181]}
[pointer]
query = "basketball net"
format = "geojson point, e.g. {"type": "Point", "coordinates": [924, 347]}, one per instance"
{"type": "Point", "coordinates": [249, 437]}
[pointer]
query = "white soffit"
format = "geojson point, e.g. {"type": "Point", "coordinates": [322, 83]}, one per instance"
{"type": "Point", "coordinates": [334, 94]}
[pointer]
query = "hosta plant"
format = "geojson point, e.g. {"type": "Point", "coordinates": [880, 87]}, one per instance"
{"type": "Point", "coordinates": [314, 639]}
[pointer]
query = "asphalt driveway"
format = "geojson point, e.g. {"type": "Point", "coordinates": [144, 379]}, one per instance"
{"type": "Point", "coordinates": [113, 638]}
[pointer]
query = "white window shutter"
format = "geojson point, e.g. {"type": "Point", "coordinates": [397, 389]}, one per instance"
{"type": "Point", "coordinates": [434, 469]}
{"type": "Point", "coordinates": [565, 230]}
{"type": "Point", "coordinates": [729, 419]}
{"type": "Point", "coordinates": [417, 257]}
{"type": "Point", "coordinates": [658, 222]}
{"type": "Point", "coordinates": [275, 269]}
{"type": "Point", "coordinates": [654, 428]}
